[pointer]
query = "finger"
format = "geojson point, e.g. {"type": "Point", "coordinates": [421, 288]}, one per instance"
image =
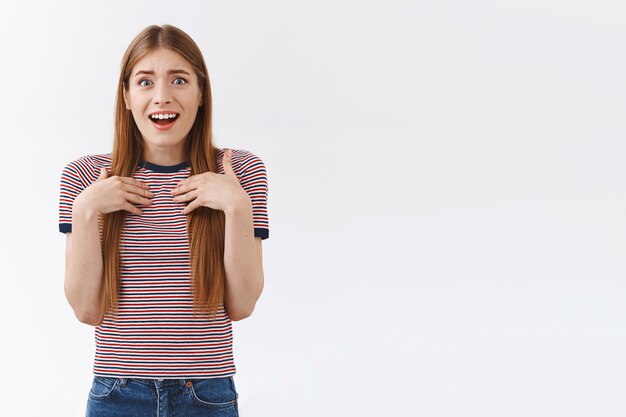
{"type": "Point", "coordinates": [186, 197]}
{"type": "Point", "coordinates": [227, 162]}
{"type": "Point", "coordinates": [186, 187]}
{"type": "Point", "coordinates": [135, 189]}
{"type": "Point", "coordinates": [132, 181]}
{"type": "Point", "coordinates": [132, 209]}
{"type": "Point", "coordinates": [191, 207]}
{"type": "Point", "coordinates": [103, 173]}
{"type": "Point", "coordinates": [134, 198]}
{"type": "Point", "coordinates": [184, 182]}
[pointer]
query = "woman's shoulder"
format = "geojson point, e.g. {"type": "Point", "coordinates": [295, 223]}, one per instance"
{"type": "Point", "coordinates": [238, 154]}
{"type": "Point", "coordinates": [87, 167]}
{"type": "Point", "coordinates": [242, 159]}
{"type": "Point", "coordinates": [96, 160]}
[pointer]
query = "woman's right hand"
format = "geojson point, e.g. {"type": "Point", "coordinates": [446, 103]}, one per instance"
{"type": "Point", "coordinates": [109, 194]}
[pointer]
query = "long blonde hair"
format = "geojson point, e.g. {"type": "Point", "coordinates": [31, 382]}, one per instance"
{"type": "Point", "coordinates": [205, 226]}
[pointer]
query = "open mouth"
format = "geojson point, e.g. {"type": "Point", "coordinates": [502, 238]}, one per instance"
{"type": "Point", "coordinates": [164, 120]}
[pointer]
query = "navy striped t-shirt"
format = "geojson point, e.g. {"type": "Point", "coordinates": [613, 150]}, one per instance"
{"type": "Point", "coordinates": [155, 334]}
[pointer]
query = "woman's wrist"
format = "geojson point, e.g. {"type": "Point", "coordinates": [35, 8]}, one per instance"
{"type": "Point", "coordinates": [243, 205]}
{"type": "Point", "coordinates": [83, 210]}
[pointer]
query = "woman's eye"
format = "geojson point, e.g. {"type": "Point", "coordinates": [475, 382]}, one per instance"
{"type": "Point", "coordinates": [143, 85]}
{"type": "Point", "coordinates": [182, 79]}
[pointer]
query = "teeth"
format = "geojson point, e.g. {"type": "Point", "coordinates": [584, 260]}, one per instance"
{"type": "Point", "coordinates": [163, 116]}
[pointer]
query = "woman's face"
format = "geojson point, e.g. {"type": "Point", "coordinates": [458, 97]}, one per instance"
{"type": "Point", "coordinates": [163, 82]}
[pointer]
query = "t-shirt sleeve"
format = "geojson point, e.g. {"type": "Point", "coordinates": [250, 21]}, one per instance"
{"type": "Point", "coordinates": [253, 180]}
{"type": "Point", "coordinates": [74, 179]}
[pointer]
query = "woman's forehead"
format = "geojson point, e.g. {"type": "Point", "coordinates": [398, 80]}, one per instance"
{"type": "Point", "coordinates": [161, 60]}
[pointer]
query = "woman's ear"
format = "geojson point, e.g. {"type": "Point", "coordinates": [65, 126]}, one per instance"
{"type": "Point", "coordinates": [125, 98]}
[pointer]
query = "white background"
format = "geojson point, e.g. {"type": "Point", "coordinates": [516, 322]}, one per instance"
{"type": "Point", "coordinates": [446, 199]}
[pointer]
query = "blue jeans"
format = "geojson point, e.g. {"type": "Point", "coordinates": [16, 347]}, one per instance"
{"type": "Point", "coordinates": [132, 397]}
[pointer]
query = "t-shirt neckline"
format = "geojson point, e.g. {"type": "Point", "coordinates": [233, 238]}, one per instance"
{"type": "Point", "coordinates": [163, 168]}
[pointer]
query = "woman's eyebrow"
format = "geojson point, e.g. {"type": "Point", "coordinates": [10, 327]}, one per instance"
{"type": "Point", "coordinates": [174, 71]}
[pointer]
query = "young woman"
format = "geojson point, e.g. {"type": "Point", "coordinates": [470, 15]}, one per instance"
{"type": "Point", "coordinates": [163, 240]}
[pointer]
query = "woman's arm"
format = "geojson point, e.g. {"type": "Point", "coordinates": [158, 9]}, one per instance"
{"type": "Point", "coordinates": [242, 261]}
{"type": "Point", "coordinates": [82, 198]}
{"type": "Point", "coordinates": [83, 265]}
{"type": "Point", "coordinates": [236, 197]}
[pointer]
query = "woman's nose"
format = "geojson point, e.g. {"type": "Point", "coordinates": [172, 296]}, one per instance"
{"type": "Point", "coordinates": [162, 94]}
{"type": "Point", "coordinates": [160, 100]}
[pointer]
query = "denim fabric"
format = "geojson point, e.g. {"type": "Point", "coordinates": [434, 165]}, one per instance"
{"type": "Point", "coordinates": [132, 397]}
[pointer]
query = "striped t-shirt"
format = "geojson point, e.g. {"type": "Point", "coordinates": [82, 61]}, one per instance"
{"type": "Point", "coordinates": [156, 334]}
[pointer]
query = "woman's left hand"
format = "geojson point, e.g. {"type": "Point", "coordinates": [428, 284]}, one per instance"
{"type": "Point", "coordinates": [216, 191]}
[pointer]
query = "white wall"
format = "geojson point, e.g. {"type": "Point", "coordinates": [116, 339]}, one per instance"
{"type": "Point", "coordinates": [446, 199]}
